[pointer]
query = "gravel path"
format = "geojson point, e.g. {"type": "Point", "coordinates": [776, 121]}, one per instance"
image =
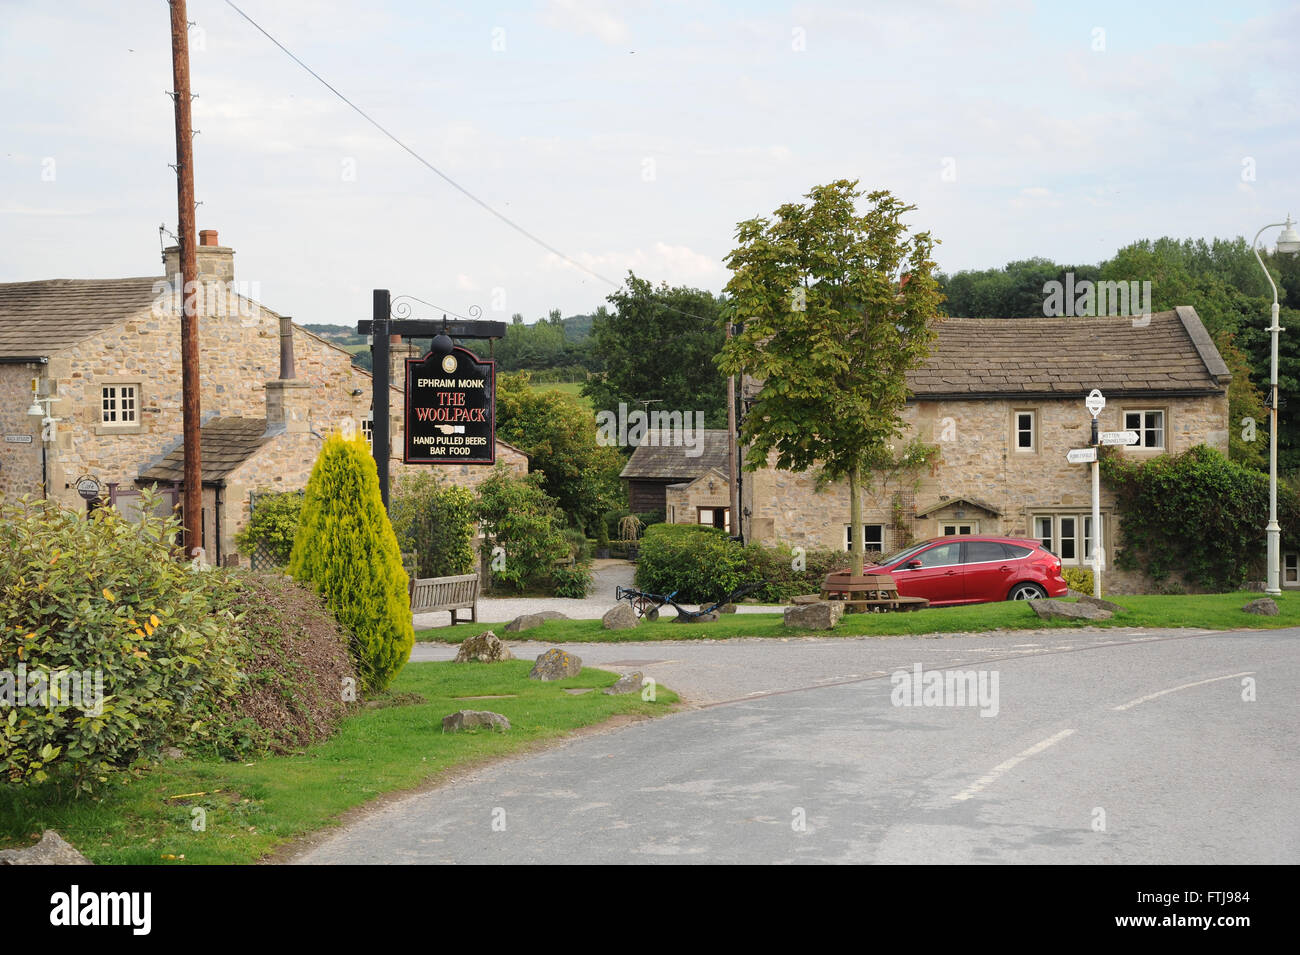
{"type": "Point", "coordinates": [606, 576]}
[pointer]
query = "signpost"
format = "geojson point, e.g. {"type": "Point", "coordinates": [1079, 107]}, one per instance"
{"type": "Point", "coordinates": [18, 439]}
{"type": "Point", "coordinates": [1095, 402]}
{"type": "Point", "coordinates": [1081, 455]}
{"type": "Point", "coordinates": [1119, 437]}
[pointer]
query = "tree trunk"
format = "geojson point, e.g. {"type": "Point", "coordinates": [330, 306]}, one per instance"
{"type": "Point", "coordinates": [855, 522]}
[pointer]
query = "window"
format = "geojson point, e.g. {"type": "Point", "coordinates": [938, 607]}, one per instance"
{"type": "Point", "coordinates": [940, 556]}
{"type": "Point", "coordinates": [368, 428]}
{"type": "Point", "coordinates": [1149, 425]}
{"type": "Point", "coordinates": [952, 530]}
{"type": "Point", "coordinates": [1044, 531]}
{"type": "Point", "coordinates": [1067, 539]}
{"type": "Point", "coordinates": [873, 537]}
{"type": "Point", "coordinates": [985, 552]}
{"type": "Point", "coordinates": [1025, 437]}
{"type": "Point", "coordinates": [119, 405]}
{"type": "Point", "coordinates": [719, 517]}
{"type": "Point", "coordinates": [1291, 568]}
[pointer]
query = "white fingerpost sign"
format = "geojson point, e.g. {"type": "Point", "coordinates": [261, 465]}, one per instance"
{"type": "Point", "coordinates": [1094, 403]}
{"type": "Point", "coordinates": [1119, 437]}
{"type": "Point", "coordinates": [1081, 455]}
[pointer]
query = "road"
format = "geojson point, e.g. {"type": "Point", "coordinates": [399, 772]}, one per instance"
{"type": "Point", "coordinates": [1099, 746]}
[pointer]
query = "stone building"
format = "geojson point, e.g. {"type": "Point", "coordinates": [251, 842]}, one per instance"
{"type": "Point", "coordinates": [1002, 400]}
{"type": "Point", "coordinates": [663, 473]}
{"type": "Point", "coordinates": [107, 351]}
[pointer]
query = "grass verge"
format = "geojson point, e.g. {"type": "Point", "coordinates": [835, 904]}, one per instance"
{"type": "Point", "coordinates": [252, 808]}
{"type": "Point", "coordinates": [1208, 611]}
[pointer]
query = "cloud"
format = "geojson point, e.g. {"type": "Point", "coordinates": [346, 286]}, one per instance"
{"type": "Point", "coordinates": [587, 16]}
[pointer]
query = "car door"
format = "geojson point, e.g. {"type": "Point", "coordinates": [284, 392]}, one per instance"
{"type": "Point", "coordinates": [986, 571]}
{"type": "Point", "coordinates": [934, 573]}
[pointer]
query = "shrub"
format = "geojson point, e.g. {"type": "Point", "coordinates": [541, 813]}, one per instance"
{"type": "Point", "coordinates": [436, 523]}
{"type": "Point", "coordinates": [272, 526]}
{"type": "Point", "coordinates": [602, 534]}
{"type": "Point", "coordinates": [776, 566]}
{"type": "Point", "coordinates": [1196, 513]}
{"type": "Point", "coordinates": [700, 563]}
{"type": "Point", "coordinates": [347, 551]}
{"type": "Point", "coordinates": [104, 595]}
{"type": "Point", "coordinates": [1078, 578]}
{"type": "Point", "coordinates": [520, 518]}
{"type": "Point", "coordinates": [572, 581]}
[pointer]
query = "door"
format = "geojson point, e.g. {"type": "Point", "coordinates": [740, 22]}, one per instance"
{"type": "Point", "coordinates": [986, 571]}
{"type": "Point", "coordinates": [938, 578]}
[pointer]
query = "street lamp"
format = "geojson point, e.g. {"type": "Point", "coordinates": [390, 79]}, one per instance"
{"type": "Point", "coordinates": [1288, 242]}
{"type": "Point", "coordinates": [39, 411]}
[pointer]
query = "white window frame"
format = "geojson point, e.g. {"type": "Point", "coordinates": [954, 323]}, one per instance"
{"type": "Point", "coordinates": [867, 535]}
{"type": "Point", "coordinates": [1048, 540]}
{"type": "Point", "coordinates": [1061, 538]}
{"type": "Point", "coordinates": [726, 517]}
{"type": "Point", "coordinates": [1082, 537]}
{"type": "Point", "coordinates": [119, 400]}
{"type": "Point", "coordinates": [1016, 431]}
{"type": "Point", "coordinates": [1143, 419]}
{"type": "Point", "coordinates": [1291, 569]}
{"type": "Point", "coordinates": [972, 527]}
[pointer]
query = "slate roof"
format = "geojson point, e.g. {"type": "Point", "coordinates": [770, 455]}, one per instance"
{"type": "Point", "coordinates": [993, 357]}
{"type": "Point", "coordinates": [224, 444]}
{"type": "Point", "coordinates": [39, 319]}
{"type": "Point", "coordinates": [670, 462]}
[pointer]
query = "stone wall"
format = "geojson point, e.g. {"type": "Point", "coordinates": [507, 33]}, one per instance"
{"type": "Point", "coordinates": [978, 460]}
{"type": "Point", "coordinates": [20, 464]}
{"type": "Point", "coordinates": [683, 502]}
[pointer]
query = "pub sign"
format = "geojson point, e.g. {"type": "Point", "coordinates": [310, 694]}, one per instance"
{"type": "Point", "coordinates": [450, 408]}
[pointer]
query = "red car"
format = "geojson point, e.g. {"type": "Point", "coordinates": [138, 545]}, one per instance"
{"type": "Point", "coordinates": [972, 569]}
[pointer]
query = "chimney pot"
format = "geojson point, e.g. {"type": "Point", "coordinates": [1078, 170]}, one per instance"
{"type": "Point", "coordinates": [208, 237]}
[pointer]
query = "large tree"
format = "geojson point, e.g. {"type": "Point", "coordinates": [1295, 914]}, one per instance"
{"type": "Point", "coordinates": [834, 307]}
{"type": "Point", "coordinates": [658, 345]}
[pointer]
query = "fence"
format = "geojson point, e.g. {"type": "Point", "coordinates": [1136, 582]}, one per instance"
{"type": "Point", "coordinates": [261, 556]}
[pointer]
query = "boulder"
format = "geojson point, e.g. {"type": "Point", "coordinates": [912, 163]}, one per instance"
{"type": "Point", "coordinates": [620, 617]}
{"type": "Point", "coordinates": [627, 683]}
{"type": "Point", "coordinates": [51, 850]}
{"type": "Point", "coordinates": [1060, 610]}
{"type": "Point", "coordinates": [727, 608]}
{"type": "Point", "coordinates": [555, 665]}
{"type": "Point", "coordinates": [529, 620]}
{"type": "Point", "coordinates": [474, 719]}
{"type": "Point", "coordinates": [698, 618]}
{"type": "Point", "coordinates": [1264, 606]}
{"type": "Point", "coordinates": [1092, 601]}
{"type": "Point", "coordinates": [822, 615]}
{"type": "Point", "coordinates": [485, 648]}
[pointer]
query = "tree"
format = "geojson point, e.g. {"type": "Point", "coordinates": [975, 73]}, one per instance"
{"type": "Point", "coordinates": [659, 344]}
{"type": "Point", "coordinates": [347, 551]}
{"type": "Point", "coordinates": [835, 308]}
{"type": "Point", "coordinates": [559, 436]}
{"type": "Point", "coordinates": [520, 518]}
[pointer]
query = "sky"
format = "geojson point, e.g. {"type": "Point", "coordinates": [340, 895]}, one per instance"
{"type": "Point", "coordinates": [628, 135]}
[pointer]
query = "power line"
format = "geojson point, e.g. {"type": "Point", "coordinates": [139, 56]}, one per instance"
{"type": "Point", "coordinates": [438, 172]}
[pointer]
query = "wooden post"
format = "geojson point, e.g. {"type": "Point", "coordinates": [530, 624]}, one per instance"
{"type": "Point", "coordinates": [379, 351]}
{"type": "Point", "coordinates": [193, 516]}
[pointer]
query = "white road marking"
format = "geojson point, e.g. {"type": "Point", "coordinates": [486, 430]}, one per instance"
{"type": "Point", "coordinates": [1174, 689]}
{"type": "Point", "coordinates": [1010, 764]}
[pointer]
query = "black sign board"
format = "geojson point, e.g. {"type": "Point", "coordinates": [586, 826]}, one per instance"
{"type": "Point", "coordinates": [450, 409]}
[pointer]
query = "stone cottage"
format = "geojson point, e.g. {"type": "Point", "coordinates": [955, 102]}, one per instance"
{"type": "Point", "coordinates": [1003, 401]}
{"type": "Point", "coordinates": [107, 351]}
{"type": "Point", "coordinates": [687, 484]}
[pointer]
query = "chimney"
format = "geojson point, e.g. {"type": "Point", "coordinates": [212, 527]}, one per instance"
{"type": "Point", "coordinates": [216, 263]}
{"type": "Point", "coordinates": [288, 406]}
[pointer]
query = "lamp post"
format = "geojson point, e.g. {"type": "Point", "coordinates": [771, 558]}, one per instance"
{"type": "Point", "coordinates": [1288, 242]}
{"type": "Point", "coordinates": [48, 424]}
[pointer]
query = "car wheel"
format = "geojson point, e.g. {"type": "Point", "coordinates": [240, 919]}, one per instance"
{"type": "Point", "coordinates": [1027, 592]}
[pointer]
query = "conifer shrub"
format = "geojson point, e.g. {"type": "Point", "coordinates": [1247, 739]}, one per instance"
{"type": "Point", "coordinates": [347, 551]}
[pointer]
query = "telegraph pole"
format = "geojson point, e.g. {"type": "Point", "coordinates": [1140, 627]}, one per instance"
{"type": "Point", "coordinates": [193, 515]}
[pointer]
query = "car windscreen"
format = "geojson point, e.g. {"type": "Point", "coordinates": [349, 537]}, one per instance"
{"type": "Point", "coordinates": [903, 553]}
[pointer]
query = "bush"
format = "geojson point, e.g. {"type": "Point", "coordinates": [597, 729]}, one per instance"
{"type": "Point", "coordinates": [347, 551]}
{"type": "Point", "coordinates": [104, 595]}
{"type": "Point", "coordinates": [776, 565]}
{"type": "Point", "coordinates": [272, 526]}
{"type": "Point", "coordinates": [1078, 578]}
{"type": "Point", "coordinates": [436, 523]}
{"type": "Point", "coordinates": [572, 581]}
{"type": "Point", "coordinates": [520, 518]}
{"type": "Point", "coordinates": [1197, 514]}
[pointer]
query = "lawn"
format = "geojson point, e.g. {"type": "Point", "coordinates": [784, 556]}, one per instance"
{"type": "Point", "coordinates": [253, 808]}
{"type": "Point", "coordinates": [571, 388]}
{"type": "Point", "coordinates": [1208, 611]}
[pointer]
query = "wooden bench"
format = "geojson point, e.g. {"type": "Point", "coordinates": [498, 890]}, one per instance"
{"type": "Point", "coordinates": [446, 593]}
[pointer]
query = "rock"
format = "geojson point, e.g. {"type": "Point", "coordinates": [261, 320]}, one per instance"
{"type": "Point", "coordinates": [806, 599]}
{"type": "Point", "coordinates": [727, 608]}
{"type": "Point", "coordinates": [620, 617]}
{"type": "Point", "coordinates": [51, 850]}
{"type": "Point", "coordinates": [556, 665]}
{"type": "Point", "coordinates": [1059, 610]}
{"type": "Point", "coordinates": [1264, 606]}
{"type": "Point", "coordinates": [698, 618]}
{"type": "Point", "coordinates": [822, 615]}
{"type": "Point", "coordinates": [473, 719]}
{"type": "Point", "coordinates": [627, 683]}
{"type": "Point", "coordinates": [1092, 601]}
{"type": "Point", "coordinates": [579, 690]}
{"type": "Point", "coordinates": [173, 752]}
{"type": "Point", "coordinates": [485, 648]}
{"type": "Point", "coordinates": [529, 620]}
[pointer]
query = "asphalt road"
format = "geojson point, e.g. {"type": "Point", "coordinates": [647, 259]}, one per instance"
{"type": "Point", "coordinates": [1099, 747]}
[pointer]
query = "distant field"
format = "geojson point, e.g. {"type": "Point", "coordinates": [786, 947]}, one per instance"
{"type": "Point", "coordinates": [573, 388]}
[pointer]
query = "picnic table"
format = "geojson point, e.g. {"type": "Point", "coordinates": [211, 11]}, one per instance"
{"type": "Point", "coordinates": [867, 593]}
